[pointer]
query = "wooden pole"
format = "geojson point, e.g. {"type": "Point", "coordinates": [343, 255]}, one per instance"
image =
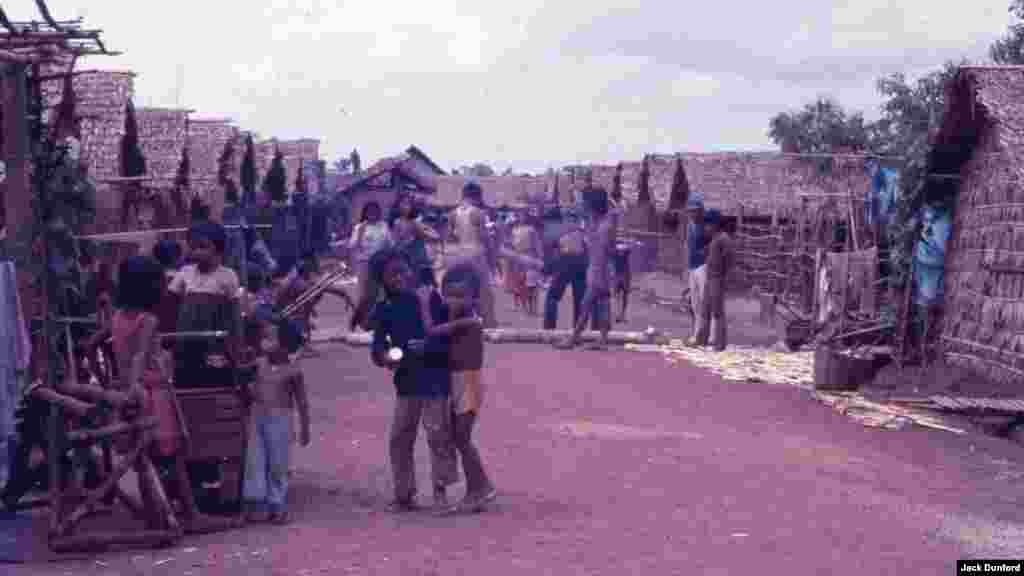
{"type": "Point", "coordinates": [17, 198]}
{"type": "Point", "coordinates": [853, 217]}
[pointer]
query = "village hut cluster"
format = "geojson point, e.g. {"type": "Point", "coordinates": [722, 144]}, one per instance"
{"type": "Point", "coordinates": [812, 237]}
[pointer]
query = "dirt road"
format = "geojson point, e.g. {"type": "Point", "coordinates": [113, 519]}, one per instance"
{"type": "Point", "coordinates": [618, 463]}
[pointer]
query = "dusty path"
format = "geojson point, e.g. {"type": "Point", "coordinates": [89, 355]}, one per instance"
{"type": "Point", "coordinates": [618, 463]}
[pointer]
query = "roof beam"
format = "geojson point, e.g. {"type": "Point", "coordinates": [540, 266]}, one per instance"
{"type": "Point", "coordinates": [45, 12]}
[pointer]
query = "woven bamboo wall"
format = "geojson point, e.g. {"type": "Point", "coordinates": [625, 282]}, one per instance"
{"type": "Point", "coordinates": [101, 100]}
{"type": "Point", "coordinates": [162, 136]}
{"type": "Point", "coordinates": [983, 328]}
{"type": "Point", "coordinates": [206, 140]}
{"type": "Point", "coordinates": [760, 181]}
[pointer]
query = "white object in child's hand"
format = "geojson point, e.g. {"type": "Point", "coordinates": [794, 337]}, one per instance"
{"type": "Point", "coordinates": [395, 354]}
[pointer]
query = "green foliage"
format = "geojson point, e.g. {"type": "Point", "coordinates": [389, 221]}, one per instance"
{"type": "Point", "coordinates": [911, 115]}
{"type": "Point", "coordinates": [133, 163]}
{"type": "Point", "coordinates": [275, 184]}
{"type": "Point", "coordinates": [249, 171]}
{"type": "Point", "coordinates": [644, 189]}
{"type": "Point", "coordinates": [181, 183]}
{"type": "Point", "coordinates": [478, 170]}
{"type": "Point", "coordinates": [1010, 48]}
{"type": "Point", "coordinates": [820, 127]}
{"type": "Point", "coordinates": [224, 167]}
{"type": "Point", "coordinates": [300, 179]}
{"type": "Point", "coordinates": [354, 161]}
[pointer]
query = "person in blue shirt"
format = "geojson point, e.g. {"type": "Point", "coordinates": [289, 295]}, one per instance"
{"type": "Point", "coordinates": [422, 377]}
{"type": "Point", "coordinates": [696, 245]}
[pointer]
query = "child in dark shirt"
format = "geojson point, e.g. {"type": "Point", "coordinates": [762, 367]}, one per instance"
{"type": "Point", "coordinates": [421, 377]}
{"type": "Point", "coordinates": [719, 263]}
{"type": "Point", "coordinates": [464, 327]}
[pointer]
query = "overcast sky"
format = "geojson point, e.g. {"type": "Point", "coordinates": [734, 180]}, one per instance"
{"type": "Point", "coordinates": [527, 84]}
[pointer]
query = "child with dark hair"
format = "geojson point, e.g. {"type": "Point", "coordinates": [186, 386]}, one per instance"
{"type": "Point", "coordinates": [145, 368]}
{"type": "Point", "coordinates": [168, 254]}
{"type": "Point", "coordinates": [278, 392]}
{"type": "Point", "coordinates": [421, 376]}
{"type": "Point", "coordinates": [464, 329]}
{"type": "Point", "coordinates": [719, 264]}
{"type": "Point", "coordinates": [410, 237]}
{"type": "Point", "coordinates": [370, 235]}
{"type": "Point", "coordinates": [209, 294]}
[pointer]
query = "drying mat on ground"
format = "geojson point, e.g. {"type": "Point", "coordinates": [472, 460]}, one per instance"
{"type": "Point", "coordinates": [16, 538]}
{"type": "Point", "coordinates": [875, 415]}
{"type": "Point", "coordinates": [742, 363]}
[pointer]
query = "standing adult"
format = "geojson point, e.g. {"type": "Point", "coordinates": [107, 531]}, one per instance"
{"type": "Point", "coordinates": [695, 247]}
{"type": "Point", "coordinates": [569, 266]}
{"type": "Point", "coordinates": [370, 235]}
{"type": "Point", "coordinates": [601, 233]}
{"type": "Point", "coordinates": [472, 243]}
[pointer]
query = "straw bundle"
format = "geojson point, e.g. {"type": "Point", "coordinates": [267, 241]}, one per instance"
{"type": "Point", "coordinates": [984, 319]}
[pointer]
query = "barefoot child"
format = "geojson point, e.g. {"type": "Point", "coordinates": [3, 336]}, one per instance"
{"type": "Point", "coordinates": [421, 376]}
{"type": "Point", "coordinates": [145, 368]}
{"type": "Point", "coordinates": [279, 391]}
{"type": "Point", "coordinates": [719, 263]}
{"type": "Point", "coordinates": [461, 288]}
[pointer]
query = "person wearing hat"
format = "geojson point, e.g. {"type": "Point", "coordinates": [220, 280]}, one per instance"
{"type": "Point", "coordinates": [696, 244]}
{"type": "Point", "coordinates": [719, 263]}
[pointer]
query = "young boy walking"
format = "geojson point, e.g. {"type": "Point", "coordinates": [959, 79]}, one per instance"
{"type": "Point", "coordinates": [279, 390]}
{"type": "Point", "coordinates": [719, 264]}
{"type": "Point", "coordinates": [464, 327]}
{"type": "Point", "coordinates": [421, 376]}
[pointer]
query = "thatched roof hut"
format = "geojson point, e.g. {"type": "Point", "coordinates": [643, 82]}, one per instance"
{"type": "Point", "coordinates": [982, 143]}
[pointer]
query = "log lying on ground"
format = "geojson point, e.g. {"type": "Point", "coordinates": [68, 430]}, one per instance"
{"type": "Point", "coordinates": [100, 541]}
{"type": "Point", "coordinates": [524, 335]}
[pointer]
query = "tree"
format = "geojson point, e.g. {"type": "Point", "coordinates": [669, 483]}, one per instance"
{"type": "Point", "coordinates": [181, 183]}
{"type": "Point", "coordinates": [911, 114]}
{"type": "Point", "coordinates": [820, 127]}
{"type": "Point", "coordinates": [1010, 48]}
{"type": "Point", "coordinates": [644, 188]}
{"type": "Point", "coordinates": [275, 184]}
{"type": "Point", "coordinates": [355, 161]}
{"type": "Point", "coordinates": [342, 165]}
{"type": "Point", "coordinates": [478, 170]}
{"type": "Point", "coordinates": [617, 183]}
{"type": "Point", "coordinates": [680, 187]}
{"type": "Point", "coordinates": [224, 168]}
{"type": "Point", "coordinates": [133, 163]}
{"type": "Point", "coordinates": [300, 179]}
{"type": "Point", "coordinates": [249, 171]}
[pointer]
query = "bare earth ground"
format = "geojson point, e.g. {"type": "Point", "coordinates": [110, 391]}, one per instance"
{"type": "Point", "coordinates": [618, 463]}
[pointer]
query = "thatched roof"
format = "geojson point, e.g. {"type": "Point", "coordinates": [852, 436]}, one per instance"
{"type": "Point", "coordinates": [498, 190]}
{"type": "Point", "coordinates": [982, 141]}
{"type": "Point", "coordinates": [405, 163]}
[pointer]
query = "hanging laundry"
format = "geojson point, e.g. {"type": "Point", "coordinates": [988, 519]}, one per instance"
{"type": "Point", "coordinates": [884, 194]}
{"type": "Point", "coordinates": [930, 255]}
{"type": "Point", "coordinates": [15, 353]}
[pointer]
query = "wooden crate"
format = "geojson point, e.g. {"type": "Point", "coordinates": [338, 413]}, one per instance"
{"type": "Point", "coordinates": [217, 421]}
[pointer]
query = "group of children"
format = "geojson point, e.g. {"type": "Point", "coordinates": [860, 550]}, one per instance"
{"type": "Point", "coordinates": [205, 292]}
{"type": "Point", "coordinates": [433, 344]}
